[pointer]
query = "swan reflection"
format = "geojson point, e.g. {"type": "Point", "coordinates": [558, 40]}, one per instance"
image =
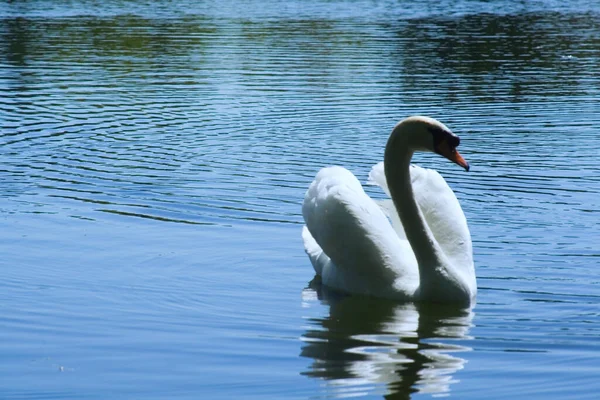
{"type": "Point", "coordinates": [367, 343]}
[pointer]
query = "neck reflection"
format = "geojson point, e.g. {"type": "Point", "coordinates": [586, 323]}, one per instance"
{"type": "Point", "coordinates": [367, 344]}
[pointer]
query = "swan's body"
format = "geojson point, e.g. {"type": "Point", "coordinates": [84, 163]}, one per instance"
{"type": "Point", "coordinates": [424, 254]}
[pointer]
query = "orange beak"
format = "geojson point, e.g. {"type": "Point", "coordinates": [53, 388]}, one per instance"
{"type": "Point", "coordinates": [452, 154]}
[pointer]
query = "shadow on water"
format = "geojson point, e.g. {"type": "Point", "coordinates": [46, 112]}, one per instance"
{"type": "Point", "coordinates": [407, 348]}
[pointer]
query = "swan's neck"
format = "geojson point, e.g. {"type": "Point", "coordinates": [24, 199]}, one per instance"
{"type": "Point", "coordinates": [436, 278]}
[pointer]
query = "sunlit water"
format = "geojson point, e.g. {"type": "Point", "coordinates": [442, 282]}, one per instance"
{"type": "Point", "coordinates": [154, 157]}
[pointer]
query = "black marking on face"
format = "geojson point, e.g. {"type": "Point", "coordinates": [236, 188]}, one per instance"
{"type": "Point", "coordinates": [440, 135]}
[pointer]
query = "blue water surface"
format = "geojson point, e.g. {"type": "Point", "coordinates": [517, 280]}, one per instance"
{"type": "Point", "coordinates": [153, 162]}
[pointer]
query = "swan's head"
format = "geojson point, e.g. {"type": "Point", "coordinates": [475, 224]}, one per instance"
{"type": "Point", "coordinates": [428, 134]}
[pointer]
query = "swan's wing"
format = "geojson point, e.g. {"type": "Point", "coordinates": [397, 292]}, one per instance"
{"type": "Point", "coordinates": [353, 232]}
{"type": "Point", "coordinates": [440, 208]}
{"type": "Point", "coordinates": [389, 209]}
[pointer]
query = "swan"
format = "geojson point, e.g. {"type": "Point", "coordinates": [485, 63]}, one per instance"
{"type": "Point", "coordinates": [414, 247]}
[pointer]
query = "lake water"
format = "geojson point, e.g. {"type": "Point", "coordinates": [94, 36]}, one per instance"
{"type": "Point", "coordinates": [154, 158]}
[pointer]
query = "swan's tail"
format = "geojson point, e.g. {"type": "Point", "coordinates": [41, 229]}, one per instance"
{"type": "Point", "coordinates": [315, 253]}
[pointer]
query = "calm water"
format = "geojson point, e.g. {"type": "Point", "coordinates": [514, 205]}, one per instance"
{"type": "Point", "coordinates": [154, 157]}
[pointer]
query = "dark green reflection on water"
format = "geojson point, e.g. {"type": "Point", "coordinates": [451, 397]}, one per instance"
{"type": "Point", "coordinates": [525, 52]}
{"type": "Point", "coordinates": [120, 40]}
{"type": "Point", "coordinates": [510, 57]}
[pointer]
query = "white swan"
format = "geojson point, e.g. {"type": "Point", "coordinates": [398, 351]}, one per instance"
{"type": "Point", "coordinates": [425, 254]}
